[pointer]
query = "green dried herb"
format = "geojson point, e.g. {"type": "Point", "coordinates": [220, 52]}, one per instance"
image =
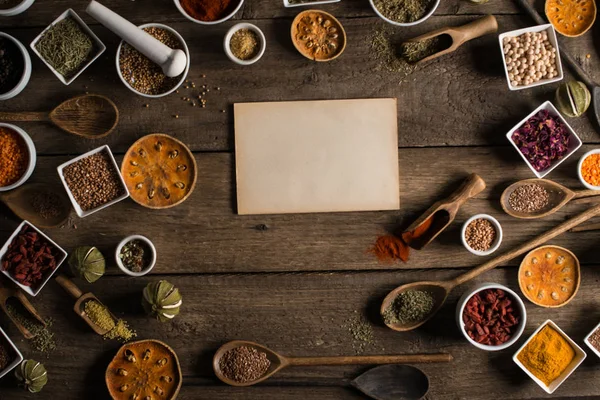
{"type": "Point", "coordinates": [66, 47]}
{"type": "Point", "coordinates": [409, 307]}
{"type": "Point", "coordinates": [403, 10]}
{"type": "Point", "coordinates": [414, 52]}
{"type": "Point", "coordinates": [136, 255]}
{"type": "Point", "coordinates": [43, 339]}
{"type": "Point", "coordinates": [385, 52]}
{"type": "Point", "coordinates": [101, 316]}
{"type": "Point", "coordinates": [361, 331]}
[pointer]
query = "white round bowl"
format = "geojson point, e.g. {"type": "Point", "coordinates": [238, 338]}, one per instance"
{"type": "Point", "coordinates": [182, 11]}
{"type": "Point", "coordinates": [183, 76]}
{"type": "Point", "coordinates": [517, 302]}
{"type": "Point", "coordinates": [152, 260]}
{"type": "Point", "coordinates": [32, 157]}
{"type": "Point", "coordinates": [26, 70]}
{"type": "Point", "coordinates": [583, 181]}
{"type": "Point", "coordinates": [18, 9]}
{"type": "Point", "coordinates": [497, 241]}
{"type": "Point", "coordinates": [417, 22]}
{"type": "Point", "coordinates": [234, 29]}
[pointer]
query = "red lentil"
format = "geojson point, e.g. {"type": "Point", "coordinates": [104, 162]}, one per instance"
{"type": "Point", "coordinates": [590, 169]}
{"type": "Point", "coordinates": [14, 156]}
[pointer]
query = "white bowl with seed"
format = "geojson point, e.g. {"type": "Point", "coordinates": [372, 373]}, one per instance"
{"type": "Point", "coordinates": [262, 43]}
{"type": "Point", "coordinates": [25, 75]}
{"type": "Point", "coordinates": [432, 7]}
{"type": "Point", "coordinates": [481, 234]}
{"type": "Point", "coordinates": [12, 350]}
{"type": "Point", "coordinates": [152, 259]}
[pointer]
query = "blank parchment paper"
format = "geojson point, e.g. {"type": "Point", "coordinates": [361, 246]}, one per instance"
{"type": "Point", "coordinates": [317, 156]}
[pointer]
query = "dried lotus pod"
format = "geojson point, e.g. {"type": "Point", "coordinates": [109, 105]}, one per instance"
{"type": "Point", "coordinates": [145, 378]}
{"type": "Point", "coordinates": [162, 300]}
{"type": "Point", "coordinates": [32, 375]}
{"type": "Point", "coordinates": [571, 17]}
{"type": "Point", "coordinates": [573, 98]}
{"type": "Point", "coordinates": [159, 171]}
{"type": "Point", "coordinates": [87, 263]}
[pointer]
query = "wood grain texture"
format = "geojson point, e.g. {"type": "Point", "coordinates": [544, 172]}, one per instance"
{"type": "Point", "coordinates": [273, 309]}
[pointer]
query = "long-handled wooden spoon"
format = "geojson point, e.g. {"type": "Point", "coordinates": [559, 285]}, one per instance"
{"type": "Point", "coordinates": [443, 212]}
{"type": "Point", "coordinates": [279, 362]}
{"type": "Point", "coordinates": [81, 298]}
{"type": "Point", "coordinates": [439, 290]}
{"type": "Point", "coordinates": [21, 201]}
{"type": "Point", "coordinates": [459, 35]}
{"type": "Point", "coordinates": [7, 293]}
{"type": "Point", "coordinates": [91, 116]}
{"type": "Point", "coordinates": [393, 382]}
{"type": "Point", "coordinates": [559, 197]}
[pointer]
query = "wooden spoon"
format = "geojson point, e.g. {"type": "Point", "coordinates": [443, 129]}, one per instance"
{"type": "Point", "coordinates": [279, 362]}
{"type": "Point", "coordinates": [439, 290]}
{"type": "Point", "coordinates": [14, 293]}
{"type": "Point", "coordinates": [20, 202]}
{"type": "Point", "coordinates": [444, 211]}
{"type": "Point", "coordinates": [91, 116]}
{"type": "Point", "coordinates": [81, 298]}
{"type": "Point", "coordinates": [459, 35]}
{"type": "Point", "coordinates": [393, 382]}
{"type": "Point", "coordinates": [559, 197]}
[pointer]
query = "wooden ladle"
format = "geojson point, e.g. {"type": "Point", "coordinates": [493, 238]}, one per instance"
{"type": "Point", "coordinates": [459, 35]}
{"type": "Point", "coordinates": [21, 203]}
{"type": "Point", "coordinates": [439, 290]}
{"type": "Point", "coordinates": [91, 116]}
{"type": "Point", "coordinates": [559, 197]}
{"type": "Point", "coordinates": [444, 211]}
{"type": "Point", "coordinates": [393, 382]}
{"type": "Point", "coordinates": [7, 293]}
{"type": "Point", "coordinates": [279, 362]}
{"type": "Point", "coordinates": [81, 298]}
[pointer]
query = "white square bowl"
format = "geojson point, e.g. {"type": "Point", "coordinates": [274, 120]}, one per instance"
{"type": "Point", "coordinates": [577, 360]}
{"type": "Point", "coordinates": [15, 351]}
{"type": "Point", "coordinates": [99, 46]}
{"type": "Point", "coordinates": [587, 340]}
{"type": "Point", "coordinates": [62, 257]}
{"type": "Point", "coordinates": [76, 206]}
{"type": "Point", "coordinates": [574, 143]}
{"type": "Point", "coordinates": [551, 36]}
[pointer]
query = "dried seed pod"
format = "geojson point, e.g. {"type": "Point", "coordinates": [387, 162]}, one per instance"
{"type": "Point", "coordinates": [310, 44]}
{"type": "Point", "coordinates": [151, 193]}
{"type": "Point", "coordinates": [165, 192]}
{"type": "Point", "coordinates": [166, 378]}
{"type": "Point", "coordinates": [159, 391]}
{"type": "Point", "coordinates": [173, 154]}
{"type": "Point", "coordinates": [124, 388]}
{"type": "Point", "coordinates": [134, 174]}
{"type": "Point", "coordinates": [179, 185]}
{"type": "Point", "coordinates": [139, 186]}
{"type": "Point", "coordinates": [147, 353]}
{"type": "Point", "coordinates": [181, 167]}
{"type": "Point", "coordinates": [88, 263]}
{"type": "Point", "coordinates": [134, 163]}
{"type": "Point", "coordinates": [162, 300]}
{"type": "Point", "coordinates": [130, 356]}
{"type": "Point", "coordinates": [32, 375]}
{"type": "Point", "coordinates": [122, 372]}
{"type": "Point", "coordinates": [327, 23]}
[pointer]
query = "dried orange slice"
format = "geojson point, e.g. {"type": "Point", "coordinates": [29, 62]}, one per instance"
{"type": "Point", "coordinates": [571, 17]}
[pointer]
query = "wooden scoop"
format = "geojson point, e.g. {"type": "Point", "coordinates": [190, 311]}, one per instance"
{"type": "Point", "coordinates": [14, 293]}
{"type": "Point", "coordinates": [439, 290]}
{"type": "Point", "coordinates": [459, 35]}
{"type": "Point", "coordinates": [91, 116]}
{"type": "Point", "coordinates": [559, 197]}
{"type": "Point", "coordinates": [444, 211]}
{"type": "Point", "coordinates": [81, 298]}
{"type": "Point", "coordinates": [393, 382]}
{"type": "Point", "coordinates": [279, 362]}
{"type": "Point", "coordinates": [20, 202]}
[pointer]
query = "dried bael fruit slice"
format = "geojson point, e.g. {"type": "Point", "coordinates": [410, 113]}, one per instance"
{"type": "Point", "coordinates": [147, 369]}
{"type": "Point", "coordinates": [571, 17]}
{"type": "Point", "coordinates": [159, 171]}
{"type": "Point", "coordinates": [549, 276]}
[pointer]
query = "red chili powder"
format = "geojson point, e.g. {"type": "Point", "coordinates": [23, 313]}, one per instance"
{"type": "Point", "coordinates": [208, 10]}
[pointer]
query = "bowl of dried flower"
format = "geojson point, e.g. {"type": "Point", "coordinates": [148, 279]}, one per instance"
{"type": "Point", "coordinates": [136, 255]}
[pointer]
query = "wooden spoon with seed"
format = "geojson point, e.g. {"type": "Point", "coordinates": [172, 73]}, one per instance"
{"type": "Point", "coordinates": [7, 293]}
{"type": "Point", "coordinates": [21, 203]}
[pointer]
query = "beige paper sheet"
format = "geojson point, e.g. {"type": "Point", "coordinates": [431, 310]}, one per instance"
{"type": "Point", "coordinates": [317, 156]}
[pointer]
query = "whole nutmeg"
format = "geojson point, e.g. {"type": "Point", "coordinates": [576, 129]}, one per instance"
{"type": "Point", "coordinates": [573, 98]}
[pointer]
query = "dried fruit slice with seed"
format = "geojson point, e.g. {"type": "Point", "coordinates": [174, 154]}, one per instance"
{"type": "Point", "coordinates": [571, 17]}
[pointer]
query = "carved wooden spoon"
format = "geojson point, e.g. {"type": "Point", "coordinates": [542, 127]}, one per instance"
{"type": "Point", "coordinates": [91, 116]}
{"type": "Point", "coordinates": [393, 382]}
{"type": "Point", "coordinates": [21, 203]}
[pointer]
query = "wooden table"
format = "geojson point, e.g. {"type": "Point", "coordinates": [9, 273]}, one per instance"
{"type": "Point", "coordinates": [297, 282]}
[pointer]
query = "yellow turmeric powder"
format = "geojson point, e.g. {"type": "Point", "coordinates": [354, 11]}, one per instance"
{"type": "Point", "coordinates": [547, 355]}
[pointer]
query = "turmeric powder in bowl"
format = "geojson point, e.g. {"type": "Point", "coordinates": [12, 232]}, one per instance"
{"type": "Point", "coordinates": [14, 156]}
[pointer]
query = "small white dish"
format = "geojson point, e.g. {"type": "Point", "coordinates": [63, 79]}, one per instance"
{"type": "Point", "coordinates": [59, 260]}
{"type": "Point", "coordinates": [496, 242]}
{"type": "Point", "coordinates": [460, 308]}
{"type": "Point", "coordinates": [551, 36]}
{"type": "Point", "coordinates": [76, 206]}
{"type": "Point", "coordinates": [417, 22]}
{"type": "Point", "coordinates": [589, 344]}
{"type": "Point", "coordinates": [574, 143]}
{"type": "Point", "coordinates": [127, 270]}
{"type": "Point", "coordinates": [26, 69]}
{"type": "Point", "coordinates": [218, 21]}
{"type": "Point", "coordinates": [18, 9]}
{"type": "Point", "coordinates": [99, 46]}
{"type": "Point", "coordinates": [287, 4]}
{"type": "Point", "coordinates": [183, 75]}
{"type": "Point", "coordinates": [32, 157]}
{"type": "Point", "coordinates": [14, 351]}
{"type": "Point", "coordinates": [253, 28]}
{"type": "Point", "coordinates": [577, 360]}
{"type": "Point", "coordinates": [583, 181]}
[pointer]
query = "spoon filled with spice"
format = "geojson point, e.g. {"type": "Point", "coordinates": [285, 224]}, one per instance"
{"type": "Point", "coordinates": [411, 305]}
{"type": "Point", "coordinates": [244, 363]}
{"type": "Point", "coordinates": [91, 116]}
{"type": "Point", "coordinates": [39, 203]}
{"type": "Point", "coordinates": [538, 198]}
{"type": "Point", "coordinates": [25, 305]}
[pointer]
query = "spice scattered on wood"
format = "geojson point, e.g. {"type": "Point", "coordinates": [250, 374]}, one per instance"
{"type": "Point", "coordinates": [529, 198]}
{"type": "Point", "coordinates": [93, 181]}
{"type": "Point", "coordinates": [101, 316]}
{"type": "Point", "coordinates": [384, 51]}
{"type": "Point", "coordinates": [411, 306]}
{"type": "Point", "coordinates": [244, 44]}
{"type": "Point", "coordinates": [14, 156]}
{"type": "Point", "coordinates": [43, 338]}
{"type": "Point", "coordinates": [590, 169]}
{"type": "Point", "coordinates": [12, 65]}
{"type": "Point", "coordinates": [47, 204]}
{"type": "Point", "coordinates": [390, 248]}
{"type": "Point", "coordinates": [66, 47]}
{"type": "Point", "coordinates": [207, 10]}
{"type": "Point", "coordinates": [5, 357]}
{"type": "Point", "coordinates": [594, 339]}
{"type": "Point", "coordinates": [490, 318]}
{"type": "Point", "coordinates": [244, 364]}
{"type": "Point", "coordinates": [480, 234]}
{"type": "Point", "coordinates": [547, 355]}
{"type": "Point", "coordinates": [403, 11]}
{"type": "Point", "coordinates": [136, 255]}
{"type": "Point", "coordinates": [361, 331]}
{"type": "Point", "coordinates": [414, 52]}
